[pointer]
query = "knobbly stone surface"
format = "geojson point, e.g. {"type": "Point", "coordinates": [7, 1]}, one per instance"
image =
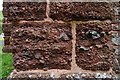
{"type": "Point", "coordinates": [24, 10]}
{"type": "Point", "coordinates": [78, 11]}
{"type": "Point", "coordinates": [47, 46]}
{"type": "Point", "coordinates": [93, 46]}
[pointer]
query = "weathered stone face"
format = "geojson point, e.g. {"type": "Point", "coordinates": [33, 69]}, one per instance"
{"type": "Point", "coordinates": [93, 46]}
{"type": "Point", "coordinates": [39, 46]}
{"type": "Point", "coordinates": [74, 40]}
{"type": "Point", "coordinates": [24, 10]}
{"type": "Point", "coordinates": [78, 11]}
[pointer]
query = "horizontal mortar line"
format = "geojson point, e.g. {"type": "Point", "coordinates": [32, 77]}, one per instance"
{"type": "Point", "coordinates": [25, 21]}
{"type": "Point", "coordinates": [90, 21]}
{"type": "Point", "coordinates": [62, 71]}
{"type": "Point", "coordinates": [60, 21]}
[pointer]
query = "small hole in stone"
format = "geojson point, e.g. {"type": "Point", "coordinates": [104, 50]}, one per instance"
{"type": "Point", "coordinates": [105, 46]}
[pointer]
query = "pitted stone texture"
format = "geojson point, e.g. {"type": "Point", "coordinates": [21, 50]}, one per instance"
{"type": "Point", "coordinates": [88, 76]}
{"type": "Point", "coordinates": [117, 26]}
{"type": "Point", "coordinates": [77, 11]}
{"type": "Point", "coordinates": [42, 45]}
{"type": "Point", "coordinates": [62, 76]}
{"type": "Point", "coordinates": [24, 10]}
{"type": "Point", "coordinates": [94, 33]}
{"type": "Point", "coordinates": [26, 76]}
{"type": "Point", "coordinates": [7, 48]}
{"type": "Point", "coordinates": [116, 4]}
{"type": "Point", "coordinates": [95, 59]}
{"type": "Point", "coordinates": [116, 67]}
{"type": "Point", "coordinates": [6, 40]}
{"type": "Point", "coordinates": [7, 28]}
{"type": "Point", "coordinates": [94, 47]}
{"type": "Point", "coordinates": [117, 61]}
{"type": "Point", "coordinates": [116, 40]}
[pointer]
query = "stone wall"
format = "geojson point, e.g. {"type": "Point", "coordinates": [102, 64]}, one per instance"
{"type": "Point", "coordinates": [62, 39]}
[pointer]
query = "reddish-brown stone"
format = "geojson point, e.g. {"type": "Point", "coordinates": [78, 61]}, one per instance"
{"type": "Point", "coordinates": [7, 40]}
{"type": "Point", "coordinates": [93, 46]}
{"type": "Point", "coordinates": [77, 11]}
{"type": "Point", "coordinates": [7, 48]}
{"type": "Point", "coordinates": [42, 45]}
{"type": "Point", "coordinates": [24, 10]}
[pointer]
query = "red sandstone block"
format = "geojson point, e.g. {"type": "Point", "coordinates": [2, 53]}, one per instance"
{"type": "Point", "coordinates": [41, 45]}
{"type": "Point", "coordinates": [77, 11]}
{"type": "Point", "coordinates": [94, 48]}
{"type": "Point", "coordinates": [7, 27]}
{"type": "Point", "coordinates": [24, 10]}
{"type": "Point", "coordinates": [7, 34]}
{"type": "Point", "coordinates": [7, 48]}
{"type": "Point", "coordinates": [7, 40]}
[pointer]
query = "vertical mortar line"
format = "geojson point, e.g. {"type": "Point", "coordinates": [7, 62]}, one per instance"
{"type": "Point", "coordinates": [47, 8]}
{"type": "Point", "coordinates": [73, 63]}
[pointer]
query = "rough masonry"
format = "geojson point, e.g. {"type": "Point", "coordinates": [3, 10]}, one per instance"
{"type": "Point", "coordinates": [62, 39]}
